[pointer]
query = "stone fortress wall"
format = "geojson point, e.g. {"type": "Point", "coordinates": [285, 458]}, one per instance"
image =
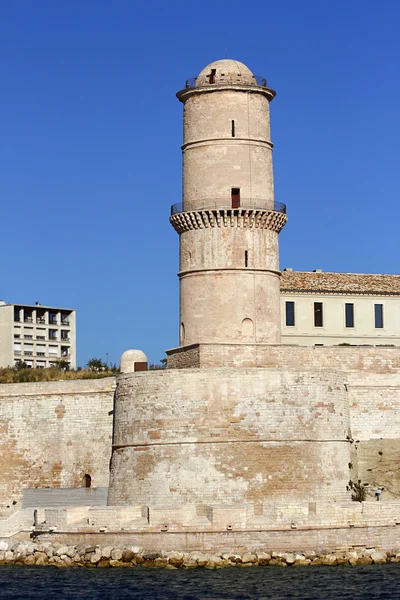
{"type": "Point", "coordinates": [293, 432]}
{"type": "Point", "coordinates": [52, 435]}
{"type": "Point", "coordinates": [230, 436]}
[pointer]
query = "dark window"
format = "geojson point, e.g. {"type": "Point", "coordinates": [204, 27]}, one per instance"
{"type": "Point", "coordinates": [87, 481]}
{"type": "Point", "coordinates": [349, 311]}
{"type": "Point", "coordinates": [379, 316]}
{"type": "Point", "coordinates": [318, 314]}
{"type": "Point", "coordinates": [290, 314]}
{"type": "Point", "coordinates": [246, 258]}
{"type": "Point", "coordinates": [235, 197]}
{"type": "Point", "coordinates": [211, 77]}
{"type": "Point", "coordinates": [233, 128]}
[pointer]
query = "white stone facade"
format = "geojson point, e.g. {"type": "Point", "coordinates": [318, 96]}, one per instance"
{"type": "Point", "coordinates": [328, 309]}
{"type": "Point", "coordinates": [37, 335]}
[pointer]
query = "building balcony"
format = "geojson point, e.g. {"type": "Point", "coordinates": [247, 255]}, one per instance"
{"type": "Point", "coordinates": [28, 353]}
{"type": "Point", "coordinates": [28, 320]}
{"type": "Point", "coordinates": [64, 322]}
{"type": "Point", "coordinates": [28, 337]}
{"type": "Point", "coordinates": [226, 80]}
{"type": "Point", "coordinates": [18, 352]}
{"type": "Point", "coordinates": [41, 353]}
{"type": "Point", "coordinates": [65, 339]}
{"type": "Point", "coordinates": [41, 320]}
{"type": "Point", "coordinates": [245, 204]}
{"type": "Point", "coordinates": [17, 336]}
{"type": "Point", "coordinates": [40, 337]}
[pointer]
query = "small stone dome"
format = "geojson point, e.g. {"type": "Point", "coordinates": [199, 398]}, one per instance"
{"type": "Point", "coordinates": [132, 361]}
{"type": "Point", "coordinates": [227, 71]}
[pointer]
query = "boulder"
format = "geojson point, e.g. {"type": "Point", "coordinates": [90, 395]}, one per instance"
{"type": "Point", "coordinates": [95, 557]}
{"type": "Point", "coordinates": [117, 563]}
{"type": "Point", "coordinates": [61, 550]}
{"type": "Point", "coordinates": [364, 560]}
{"type": "Point", "coordinates": [175, 558]}
{"type": "Point", "coordinates": [277, 562]}
{"type": "Point", "coordinates": [302, 562]}
{"type": "Point", "coordinates": [190, 563]}
{"type": "Point", "coordinates": [263, 558]}
{"type": "Point", "coordinates": [216, 562]}
{"type": "Point", "coordinates": [116, 554]}
{"type": "Point", "coordinates": [248, 557]}
{"type": "Point", "coordinates": [71, 551]}
{"type": "Point", "coordinates": [150, 555]}
{"type": "Point", "coordinates": [379, 557]}
{"type": "Point", "coordinates": [289, 558]}
{"type": "Point", "coordinates": [103, 563]}
{"type": "Point", "coordinates": [160, 562]}
{"type": "Point", "coordinates": [127, 556]}
{"type": "Point", "coordinates": [106, 552]}
{"type": "Point", "coordinates": [329, 560]}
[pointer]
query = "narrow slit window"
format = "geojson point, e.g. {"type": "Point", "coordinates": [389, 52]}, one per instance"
{"type": "Point", "coordinates": [211, 77]}
{"type": "Point", "coordinates": [318, 314]}
{"type": "Point", "coordinates": [289, 306]}
{"type": "Point", "coordinates": [235, 197]}
{"type": "Point", "coordinates": [379, 316]}
{"type": "Point", "coordinates": [349, 312]}
{"type": "Point", "coordinates": [246, 258]}
{"type": "Point", "coordinates": [233, 128]}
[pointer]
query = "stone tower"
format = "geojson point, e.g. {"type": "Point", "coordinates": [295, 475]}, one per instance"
{"type": "Point", "coordinates": [228, 222]}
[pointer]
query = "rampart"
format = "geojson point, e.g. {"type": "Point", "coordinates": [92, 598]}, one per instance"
{"type": "Point", "coordinates": [369, 359]}
{"type": "Point", "coordinates": [314, 526]}
{"type": "Point", "coordinates": [52, 434]}
{"type": "Point", "coordinates": [230, 436]}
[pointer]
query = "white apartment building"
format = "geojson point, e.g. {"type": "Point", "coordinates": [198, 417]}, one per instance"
{"type": "Point", "coordinates": [38, 335]}
{"type": "Point", "coordinates": [326, 309]}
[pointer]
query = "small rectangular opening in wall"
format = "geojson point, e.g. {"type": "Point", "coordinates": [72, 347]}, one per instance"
{"type": "Point", "coordinates": [233, 128]}
{"type": "Point", "coordinates": [378, 316]}
{"type": "Point", "coordinates": [235, 197]}
{"type": "Point", "coordinates": [246, 258]}
{"type": "Point", "coordinates": [318, 314]}
{"type": "Point", "coordinates": [211, 77]}
{"type": "Point", "coordinates": [349, 314]}
{"type": "Point", "coordinates": [289, 306]}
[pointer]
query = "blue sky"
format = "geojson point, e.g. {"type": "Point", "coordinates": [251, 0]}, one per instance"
{"type": "Point", "coordinates": [90, 147]}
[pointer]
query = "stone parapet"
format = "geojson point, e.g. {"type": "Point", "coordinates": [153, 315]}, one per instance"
{"type": "Point", "coordinates": [345, 358]}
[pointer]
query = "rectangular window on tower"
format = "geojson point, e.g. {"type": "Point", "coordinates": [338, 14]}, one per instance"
{"type": "Point", "coordinates": [233, 128]}
{"type": "Point", "coordinates": [318, 314]}
{"type": "Point", "coordinates": [235, 197]}
{"type": "Point", "coordinates": [289, 306]}
{"type": "Point", "coordinates": [379, 316]}
{"type": "Point", "coordinates": [349, 313]}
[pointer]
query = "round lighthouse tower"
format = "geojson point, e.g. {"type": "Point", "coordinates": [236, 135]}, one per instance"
{"type": "Point", "coordinates": [228, 222]}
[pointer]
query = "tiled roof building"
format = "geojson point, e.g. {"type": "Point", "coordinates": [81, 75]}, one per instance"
{"type": "Point", "coordinates": [340, 283]}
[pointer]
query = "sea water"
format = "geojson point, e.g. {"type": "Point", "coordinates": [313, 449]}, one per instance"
{"type": "Point", "coordinates": [305, 583]}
